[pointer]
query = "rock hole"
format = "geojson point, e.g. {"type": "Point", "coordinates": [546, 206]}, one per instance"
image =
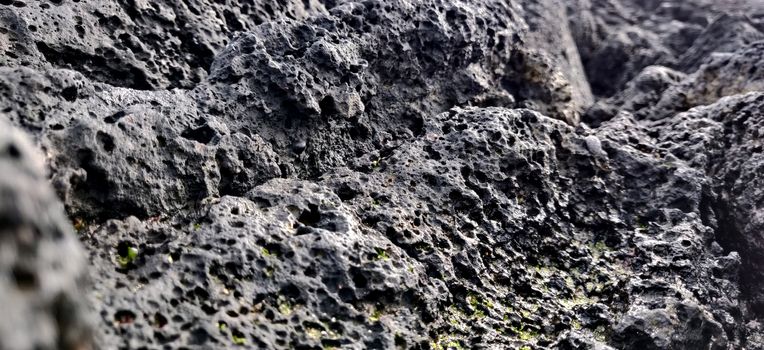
{"type": "Point", "coordinates": [203, 134]}
{"type": "Point", "coordinates": [97, 182]}
{"type": "Point", "coordinates": [159, 320]}
{"type": "Point", "coordinates": [310, 271]}
{"type": "Point", "coordinates": [270, 315]}
{"type": "Point", "coordinates": [115, 117]}
{"type": "Point", "coordinates": [417, 126]}
{"type": "Point", "coordinates": [13, 151]}
{"type": "Point", "coordinates": [208, 309]}
{"type": "Point", "coordinates": [310, 217]}
{"type": "Point", "coordinates": [347, 295]}
{"type": "Point", "coordinates": [346, 193]}
{"type": "Point", "coordinates": [106, 141]}
{"type": "Point", "coordinates": [359, 280]}
{"type": "Point", "coordinates": [124, 317]}
{"type": "Point", "coordinates": [327, 106]}
{"type": "Point", "coordinates": [69, 93]}
{"type": "Point", "coordinates": [198, 336]}
{"type": "Point", "coordinates": [24, 278]}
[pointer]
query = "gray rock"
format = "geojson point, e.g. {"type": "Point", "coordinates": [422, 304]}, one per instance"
{"type": "Point", "coordinates": [117, 152]}
{"type": "Point", "coordinates": [393, 174]}
{"type": "Point", "coordinates": [617, 39]}
{"type": "Point", "coordinates": [479, 240]}
{"type": "Point", "coordinates": [639, 97]}
{"type": "Point", "coordinates": [732, 151]}
{"type": "Point", "coordinates": [142, 45]}
{"type": "Point", "coordinates": [725, 34]}
{"type": "Point", "coordinates": [42, 265]}
{"type": "Point", "coordinates": [339, 85]}
{"type": "Point", "coordinates": [659, 92]}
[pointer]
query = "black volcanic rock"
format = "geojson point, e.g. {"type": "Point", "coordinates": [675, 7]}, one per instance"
{"type": "Point", "coordinates": [338, 86]}
{"type": "Point", "coordinates": [143, 45]}
{"type": "Point", "coordinates": [405, 174]}
{"type": "Point", "coordinates": [617, 39]}
{"type": "Point", "coordinates": [726, 140]}
{"type": "Point", "coordinates": [42, 265]}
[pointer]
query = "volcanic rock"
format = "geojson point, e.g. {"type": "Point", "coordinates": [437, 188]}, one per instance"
{"type": "Point", "coordinates": [399, 174]}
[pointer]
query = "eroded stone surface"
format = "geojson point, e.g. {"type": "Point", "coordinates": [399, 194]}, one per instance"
{"type": "Point", "coordinates": [478, 248]}
{"type": "Point", "coordinates": [399, 174]}
{"type": "Point", "coordinates": [142, 45]}
{"type": "Point", "coordinates": [42, 265]}
{"type": "Point", "coordinates": [617, 39]}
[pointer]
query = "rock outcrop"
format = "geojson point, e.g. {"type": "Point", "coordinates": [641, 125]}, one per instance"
{"type": "Point", "coordinates": [137, 44]}
{"type": "Point", "coordinates": [411, 174]}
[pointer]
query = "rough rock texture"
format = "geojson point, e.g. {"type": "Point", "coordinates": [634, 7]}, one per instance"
{"type": "Point", "coordinates": [137, 44]}
{"type": "Point", "coordinates": [727, 142]}
{"type": "Point", "coordinates": [438, 174]}
{"type": "Point", "coordinates": [42, 265]}
{"type": "Point", "coordinates": [617, 39]}
{"type": "Point", "coordinates": [337, 91]}
{"type": "Point", "coordinates": [658, 92]}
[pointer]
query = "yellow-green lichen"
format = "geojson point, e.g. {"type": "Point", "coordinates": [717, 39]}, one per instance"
{"type": "Point", "coordinates": [524, 334]}
{"type": "Point", "coordinates": [79, 224]}
{"type": "Point", "coordinates": [127, 257]}
{"type": "Point", "coordinates": [238, 339]}
{"type": "Point", "coordinates": [265, 251]}
{"type": "Point", "coordinates": [600, 333]}
{"type": "Point", "coordinates": [446, 342]}
{"type": "Point", "coordinates": [578, 299]}
{"type": "Point", "coordinates": [382, 254]}
{"type": "Point", "coordinates": [313, 333]}
{"type": "Point", "coordinates": [268, 271]}
{"type": "Point", "coordinates": [375, 315]}
{"type": "Point", "coordinates": [284, 306]}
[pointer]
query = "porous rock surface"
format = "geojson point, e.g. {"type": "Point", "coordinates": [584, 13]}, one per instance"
{"type": "Point", "coordinates": [137, 44]}
{"type": "Point", "coordinates": [415, 174]}
{"type": "Point", "coordinates": [42, 264]}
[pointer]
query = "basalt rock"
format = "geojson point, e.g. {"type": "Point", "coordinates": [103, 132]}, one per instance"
{"type": "Point", "coordinates": [42, 266]}
{"type": "Point", "coordinates": [406, 174]}
{"type": "Point", "coordinates": [725, 140]}
{"type": "Point", "coordinates": [617, 39]}
{"type": "Point", "coordinates": [143, 45]}
{"type": "Point", "coordinates": [478, 248]}
{"type": "Point", "coordinates": [337, 88]}
{"type": "Point", "coordinates": [659, 92]}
